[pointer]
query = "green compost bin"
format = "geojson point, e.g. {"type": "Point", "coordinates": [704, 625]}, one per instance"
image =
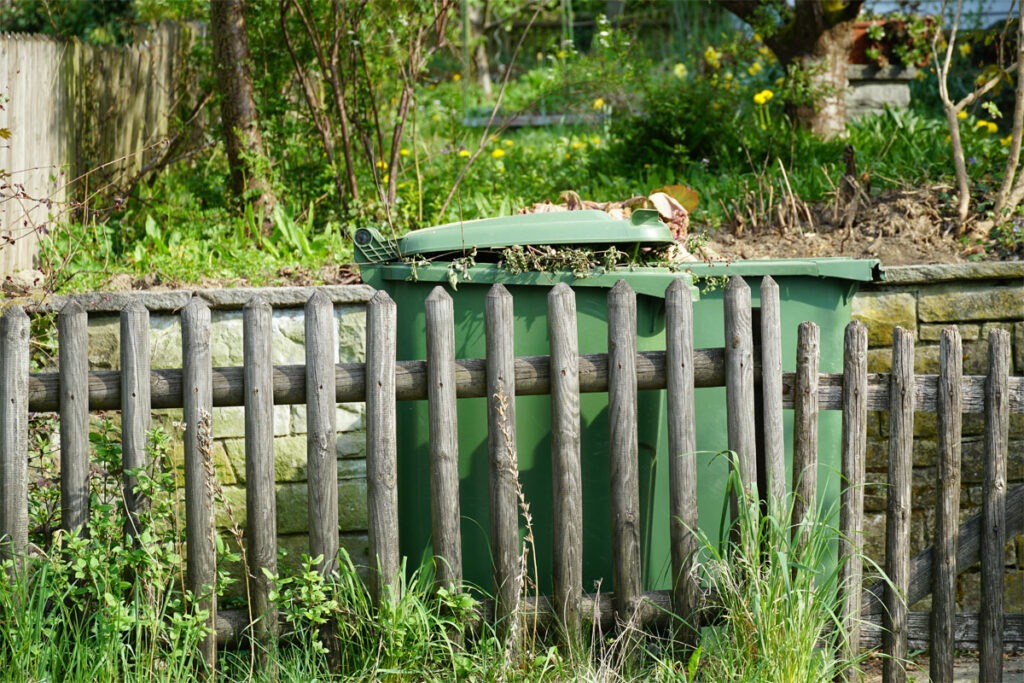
{"type": "Point", "coordinates": [811, 290]}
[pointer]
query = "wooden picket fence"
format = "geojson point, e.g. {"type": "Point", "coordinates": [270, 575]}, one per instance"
{"type": "Point", "coordinates": [441, 379]}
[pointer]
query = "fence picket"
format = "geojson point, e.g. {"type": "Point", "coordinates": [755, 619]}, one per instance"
{"type": "Point", "coordinates": [14, 368]}
{"type": "Point", "coordinates": [381, 446]}
{"type": "Point", "coordinates": [805, 425]}
{"type": "Point", "coordinates": [200, 531]}
{"type": "Point", "coordinates": [947, 506]}
{"type": "Point", "coordinates": [682, 464]}
{"type": "Point", "coordinates": [739, 384]}
{"type": "Point", "coordinates": [567, 487]}
{"type": "Point", "coordinates": [854, 462]}
{"type": "Point", "coordinates": [260, 495]}
{"type": "Point", "coordinates": [501, 441]}
{"type": "Point", "coordinates": [771, 390]}
{"type": "Point", "coordinates": [73, 358]}
{"type": "Point", "coordinates": [897, 518]}
{"type": "Point", "coordinates": [135, 407]}
{"type": "Point", "coordinates": [321, 457]}
{"type": "Point", "coordinates": [993, 540]}
{"type": "Point", "coordinates": [623, 447]}
{"type": "Point", "coordinates": [321, 448]}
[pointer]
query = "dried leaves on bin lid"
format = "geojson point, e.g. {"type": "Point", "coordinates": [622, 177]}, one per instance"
{"type": "Point", "coordinates": [673, 203]}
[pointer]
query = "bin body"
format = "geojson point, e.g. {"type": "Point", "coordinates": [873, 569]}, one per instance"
{"type": "Point", "coordinates": [815, 290]}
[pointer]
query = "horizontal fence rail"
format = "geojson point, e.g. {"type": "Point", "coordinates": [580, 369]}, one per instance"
{"type": "Point", "coordinates": [756, 389]}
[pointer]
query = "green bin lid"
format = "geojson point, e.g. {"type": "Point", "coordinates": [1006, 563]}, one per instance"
{"type": "Point", "coordinates": [840, 268]}
{"type": "Point", "coordinates": [581, 228]}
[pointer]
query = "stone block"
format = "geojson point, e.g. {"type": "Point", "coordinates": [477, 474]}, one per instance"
{"type": "Point", "coordinates": [352, 445]}
{"type": "Point", "coordinates": [973, 461]}
{"type": "Point", "coordinates": [292, 547]}
{"type": "Point", "coordinates": [969, 591]}
{"type": "Point", "coordinates": [348, 417]}
{"type": "Point", "coordinates": [881, 311]}
{"type": "Point", "coordinates": [226, 338]}
{"type": "Point", "coordinates": [933, 333]}
{"type": "Point", "coordinates": [289, 458]}
{"type": "Point", "coordinates": [229, 422]}
{"type": "Point", "coordinates": [965, 302]}
{"type": "Point", "coordinates": [165, 341]}
{"type": "Point", "coordinates": [104, 343]}
{"type": "Point", "coordinates": [351, 333]}
{"type": "Point", "coordinates": [288, 346]}
{"type": "Point", "coordinates": [1018, 349]}
{"type": "Point", "coordinates": [222, 465]}
{"type": "Point", "coordinates": [292, 506]}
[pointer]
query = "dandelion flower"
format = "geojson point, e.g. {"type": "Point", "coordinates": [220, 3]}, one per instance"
{"type": "Point", "coordinates": [965, 49]}
{"type": "Point", "coordinates": [404, 152]}
{"type": "Point", "coordinates": [498, 153]}
{"type": "Point", "coordinates": [764, 97]}
{"type": "Point", "coordinates": [679, 70]}
{"type": "Point", "coordinates": [507, 143]}
{"type": "Point", "coordinates": [961, 115]}
{"type": "Point", "coordinates": [755, 68]}
{"type": "Point", "coordinates": [456, 77]}
{"type": "Point", "coordinates": [599, 103]}
{"type": "Point", "coordinates": [1005, 142]}
{"type": "Point", "coordinates": [713, 57]}
{"type": "Point", "coordinates": [382, 164]}
{"type": "Point", "coordinates": [993, 128]}
{"type": "Point", "coordinates": [464, 153]}
{"type": "Point", "coordinates": [595, 140]}
{"type": "Point", "coordinates": [576, 144]}
{"type": "Point", "coordinates": [561, 54]}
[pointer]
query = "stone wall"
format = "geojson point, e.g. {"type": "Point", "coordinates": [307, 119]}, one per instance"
{"type": "Point", "coordinates": [926, 299]}
{"type": "Point", "coordinates": [921, 298]}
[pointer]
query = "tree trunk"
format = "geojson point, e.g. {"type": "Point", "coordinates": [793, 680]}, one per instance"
{"type": "Point", "coordinates": [826, 68]}
{"type": "Point", "coordinates": [239, 117]}
{"type": "Point", "coordinates": [477, 15]}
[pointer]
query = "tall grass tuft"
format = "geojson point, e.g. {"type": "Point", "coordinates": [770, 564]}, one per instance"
{"type": "Point", "coordinates": [776, 588]}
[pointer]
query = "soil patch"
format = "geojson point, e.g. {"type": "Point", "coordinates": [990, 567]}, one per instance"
{"type": "Point", "coordinates": [898, 227]}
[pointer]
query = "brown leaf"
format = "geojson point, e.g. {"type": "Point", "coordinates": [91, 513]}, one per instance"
{"type": "Point", "coordinates": [686, 196]}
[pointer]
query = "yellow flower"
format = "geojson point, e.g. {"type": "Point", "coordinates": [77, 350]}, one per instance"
{"type": "Point", "coordinates": [498, 153]}
{"type": "Point", "coordinates": [386, 177]}
{"type": "Point", "coordinates": [713, 57]}
{"type": "Point", "coordinates": [576, 144]}
{"type": "Point", "coordinates": [728, 76]}
{"type": "Point", "coordinates": [595, 140]}
{"type": "Point", "coordinates": [599, 103]}
{"type": "Point", "coordinates": [679, 70]}
{"type": "Point", "coordinates": [382, 164]}
{"type": "Point", "coordinates": [561, 54]}
{"type": "Point", "coordinates": [464, 153]}
{"type": "Point", "coordinates": [961, 115]}
{"type": "Point", "coordinates": [456, 77]}
{"type": "Point", "coordinates": [754, 68]}
{"type": "Point", "coordinates": [992, 128]}
{"type": "Point", "coordinates": [757, 37]}
{"type": "Point", "coordinates": [404, 152]}
{"type": "Point", "coordinates": [965, 49]}
{"type": "Point", "coordinates": [1005, 142]}
{"type": "Point", "coordinates": [764, 97]}
{"type": "Point", "coordinates": [507, 143]}
{"type": "Point", "coordinates": [989, 126]}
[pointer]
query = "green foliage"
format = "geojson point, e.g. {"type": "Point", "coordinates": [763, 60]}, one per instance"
{"type": "Point", "coordinates": [777, 587]}
{"type": "Point", "coordinates": [104, 23]}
